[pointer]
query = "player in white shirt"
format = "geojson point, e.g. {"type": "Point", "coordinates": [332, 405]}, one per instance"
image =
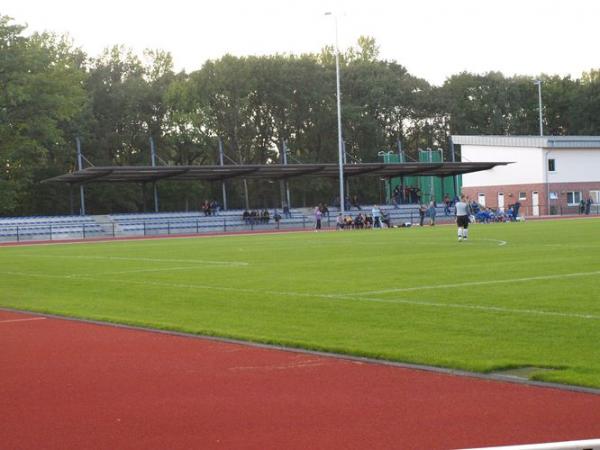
{"type": "Point", "coordinates": [462, 218]}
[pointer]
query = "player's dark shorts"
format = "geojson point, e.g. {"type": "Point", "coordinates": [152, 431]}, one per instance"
{"type": "Point", "coordinates": [462, 221]}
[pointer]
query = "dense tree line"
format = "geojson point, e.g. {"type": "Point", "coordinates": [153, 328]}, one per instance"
{"type": "Point", "coordinates": [52, 92]}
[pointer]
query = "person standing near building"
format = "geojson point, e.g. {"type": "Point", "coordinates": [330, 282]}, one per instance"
{"type": "Point", "coordinates": [462, 218]}
{"type": "Point", "coordinates": [516, 208]}
{"type": "Point", "coordinates": [431, 211]}
{"type": "Point", "coordinates": [318, 214]}
{"type": "Point", "coordinates": [588, 206]}
{"type": "Point", "coordinates": [447, 204]}
{"type": "Point", "coordinates": [376, 214]}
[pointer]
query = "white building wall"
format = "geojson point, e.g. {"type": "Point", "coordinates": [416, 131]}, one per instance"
{"type": "Point", "coordinates": [574, 166]}
{"type": "Point", "coordinates": [528, 167]}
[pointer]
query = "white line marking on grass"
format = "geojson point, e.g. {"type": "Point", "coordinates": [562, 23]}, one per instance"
{"type": "Point", "coordinates": [167, 269]}
{"type": "Point", "coordinates": [499, 241]}
{"type": "Point", "coordinates": [149, 283]}
{"type": "Point", "coordinates": [22, 320]}
{"type": "Point", "coordinates": [478, 283]}
{"type": "Point", "coordinates": [536, 312]}
{"type": "Point", "coordinates": [152, 260]}
{"type": "Point", "coordinates": [486, 308]}
{"type": "Point", "coordinates": [586, 246]}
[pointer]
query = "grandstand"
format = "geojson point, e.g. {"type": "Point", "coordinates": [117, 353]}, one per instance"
{"type": "Point", "coordinates": [47, 228]}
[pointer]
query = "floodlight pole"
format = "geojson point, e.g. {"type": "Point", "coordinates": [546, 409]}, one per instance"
{"type": "Point", "coordinates": [80, 167]}
{"type": "Point", "coordinates": [339, 116]}
{"type": "Point", "coordinates": [539, 85]}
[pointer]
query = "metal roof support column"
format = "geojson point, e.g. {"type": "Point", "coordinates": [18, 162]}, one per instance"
{"type": "Point", "coordinates": [287, 186]}
{"type": "Point", "coordinates": [347, 181]}
{"type": "Point", "coordinates": [143, 192]}
{"type": "Point", "coordinates": [222, 163]}
{"type": "Point", "coordinates": [454, 179]}
{"type": "Point", "coordinates": [401, 160]}
{"type": "Point", "coordinates": [154, 187]}
{"type": "Point", "coordinates": [431, 178]}
{"type": "Point", "coordinates": [80, 167]}
{"type": "Point", "coordinates": [71, 198]}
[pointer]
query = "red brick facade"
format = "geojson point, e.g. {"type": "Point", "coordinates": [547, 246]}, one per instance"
{"type": "Point", "coordinates": [511, 195]}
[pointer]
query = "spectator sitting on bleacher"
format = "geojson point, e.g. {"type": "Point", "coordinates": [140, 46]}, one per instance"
{"type": "Point", "coordinates": [246, 217]}
{"type": "Point", "coordinates": [214, 207]}
{"type": "Point", "coordinates": [276, 216]}
{"type": "Point", "coordinates": [266, 216]}
{"type": "Point", "coordinates": [348, 222]}
{"type": "Point", "coordinates": [359, 221]}
{"type": "Point", "coordinates": [286, 211]}
{"type": "Point", "coordinates": [253, 217]}
{"type": "Point", "coordinates": [206, 208]}
{"type": "Point", "coordinates": [340, 222]}
{"type": "Point", "coordinates": [368, 221]}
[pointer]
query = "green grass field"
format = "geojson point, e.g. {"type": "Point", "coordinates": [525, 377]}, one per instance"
{"type": "Point", "coordinates": [515, 295]}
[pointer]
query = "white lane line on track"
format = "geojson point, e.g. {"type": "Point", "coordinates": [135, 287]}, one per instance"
{"type": "Point", "coordinates": [151, 260]}
{"type": "Point", "coordinates": [22, 320]}
{"type": "Point", "coordinates": [478, 283]}
{"type": "Point", "coordinates": [334, 297]}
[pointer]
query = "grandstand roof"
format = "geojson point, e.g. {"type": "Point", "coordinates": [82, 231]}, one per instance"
{"type": "Point", "coordinates": [113, 174]}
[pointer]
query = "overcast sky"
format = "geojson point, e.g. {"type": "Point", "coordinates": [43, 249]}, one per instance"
{"type": "Point", "coordinates": [433, 39]}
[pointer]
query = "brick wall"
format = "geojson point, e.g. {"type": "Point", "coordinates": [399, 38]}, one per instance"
{"type": "Point", "coordinates": [511, 195]}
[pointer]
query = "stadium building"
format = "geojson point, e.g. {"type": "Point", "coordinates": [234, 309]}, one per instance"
{"type": "Point", "coordinates": [549, 174]}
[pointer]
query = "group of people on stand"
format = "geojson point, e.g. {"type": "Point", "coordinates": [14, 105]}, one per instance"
{"type": "Point", "coordinates": [210, 208]}
{"type": "Point", "coordinates": [377, 219]}
{"type": "Point", "coordinates": [256, 217]}
{"type": "Point", "coordinates": [406, 194]}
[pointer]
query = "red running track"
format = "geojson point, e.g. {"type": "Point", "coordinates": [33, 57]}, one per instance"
{"type": "Point", "coordinates": [74, 385]}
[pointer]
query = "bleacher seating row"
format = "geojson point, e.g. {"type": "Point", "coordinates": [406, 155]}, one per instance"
{"type": "Point", "coordinates": [140, 224]}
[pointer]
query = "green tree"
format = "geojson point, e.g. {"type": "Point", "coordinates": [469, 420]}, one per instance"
{"type": "Point", "coordinates": [41, 90]}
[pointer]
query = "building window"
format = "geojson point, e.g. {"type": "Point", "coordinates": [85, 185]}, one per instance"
{"type": "Point", "coordinates": [481, 198]}
{"type": "Point", "coordinates": [553, 195]}
{"type": "Point", "coordinates": [522, 195]}
{"type": "Point", "coordinates": [573, 198]}
{"type": "Point", "coordinates": [551, 165]}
